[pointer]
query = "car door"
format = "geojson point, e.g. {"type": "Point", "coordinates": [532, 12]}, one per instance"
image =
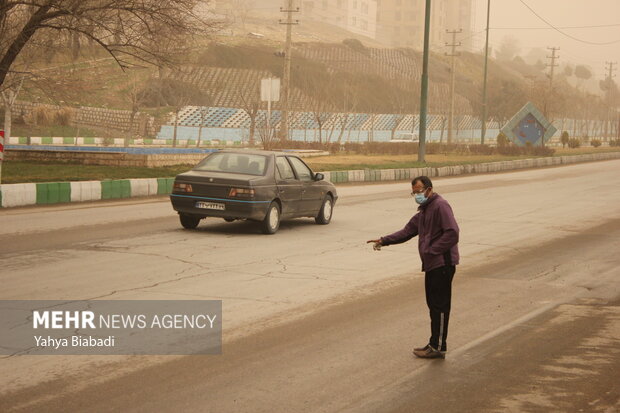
{"type": "Point", "coordinates": [289, 187]}
{"type": "Point", "coordinates": [312, 194]}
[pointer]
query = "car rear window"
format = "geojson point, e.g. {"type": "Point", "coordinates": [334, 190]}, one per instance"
{"type": "Point", "coordinates": [236, 163]}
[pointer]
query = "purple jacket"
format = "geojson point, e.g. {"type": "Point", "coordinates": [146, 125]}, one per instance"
{"type": "Point", "coordinates": [438, 234]}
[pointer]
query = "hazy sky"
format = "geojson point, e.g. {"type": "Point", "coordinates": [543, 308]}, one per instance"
{"type": "Point", "coordinates": [508, 15]}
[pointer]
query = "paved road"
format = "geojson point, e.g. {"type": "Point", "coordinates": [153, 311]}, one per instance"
{"type": "Point", "coordinates": [317, 321]}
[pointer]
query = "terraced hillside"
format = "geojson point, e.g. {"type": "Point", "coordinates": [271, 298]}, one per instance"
{"type": "Point", "coordinates": [379, 80]}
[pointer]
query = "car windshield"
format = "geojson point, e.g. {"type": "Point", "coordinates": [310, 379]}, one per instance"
{"type": "Point", "coordinates": [236, 163]}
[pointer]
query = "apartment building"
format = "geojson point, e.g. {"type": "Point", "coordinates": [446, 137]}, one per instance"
{"type": "Point", "coordinates": [356, 16]}
{"type": "Point", "coordinates": [400, 23]}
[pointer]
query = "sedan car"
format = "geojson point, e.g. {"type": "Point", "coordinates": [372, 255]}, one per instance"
{"type": "Point", "coordinates": [262, 186]}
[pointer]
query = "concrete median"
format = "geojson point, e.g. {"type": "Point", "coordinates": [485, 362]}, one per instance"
{"type": "Point", "coordinates": [14, 195]}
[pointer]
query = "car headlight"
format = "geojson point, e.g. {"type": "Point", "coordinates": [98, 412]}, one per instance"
{"type": "Point", "coordinates": [182, 187]}
{"type": "Point", "coordinates": [241, 193]}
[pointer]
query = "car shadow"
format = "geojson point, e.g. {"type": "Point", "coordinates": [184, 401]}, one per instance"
{"type": "Point", "coordinates": [219, 226]}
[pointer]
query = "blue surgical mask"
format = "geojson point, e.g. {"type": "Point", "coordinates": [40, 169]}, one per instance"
{"type": "Point", "coordinates": [420, 198]}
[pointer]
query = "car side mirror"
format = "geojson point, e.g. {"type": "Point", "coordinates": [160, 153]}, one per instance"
{"type": "Point", "coordinates": [319, 176]}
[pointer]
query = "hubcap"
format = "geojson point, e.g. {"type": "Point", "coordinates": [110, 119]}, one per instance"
{"type": "Point", "coordinates": [273, 217]}
{"type": "Point", "coordinates": [327, 209]}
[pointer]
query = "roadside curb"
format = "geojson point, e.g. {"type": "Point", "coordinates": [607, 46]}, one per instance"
{"type": "Point", "coordinates": [14, 195]}
{"type": "Point", "coordinates": [379, 175]}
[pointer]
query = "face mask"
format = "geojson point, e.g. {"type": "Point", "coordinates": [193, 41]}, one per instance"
{"type": "Point", "coordinates": [420, 198]}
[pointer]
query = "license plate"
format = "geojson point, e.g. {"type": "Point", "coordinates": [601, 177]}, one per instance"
{"type": "Point", "coordinates": [210, 205]}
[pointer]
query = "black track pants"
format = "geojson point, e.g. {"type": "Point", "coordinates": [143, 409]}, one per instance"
{"type": "Point", "coordinates": [438, 285]}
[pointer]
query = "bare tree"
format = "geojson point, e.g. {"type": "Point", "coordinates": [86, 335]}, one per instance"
{"type": "Point", "coordinates": [319, 103]}
{"type": "Point", "coordinates": [209, 99]}
{"type": "Point", "coordinates": [320, 111]}
{"type": "Point", "coordinates": [126, 29]}
{"type": "Point", "coordinates": [401, 104]}
{"type": "Point", "coordinates": [9, 94]}
{"type": "Point", "coordinates": [204, 114]}
{"type": "Point", "coordinates": [350, 100]}
{"type": "Point", "coordinates": [266, 130]}
{"type": "Point", "coordinates": [181, 102]}
{"type": "Point", "coordinates": [137, 97]}
{"type": "Point", "coordinates": [249, 96]}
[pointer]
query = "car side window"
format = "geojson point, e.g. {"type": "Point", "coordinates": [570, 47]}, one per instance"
{"type": "Point", "coordinates": [303, 172]}
{"type": "Point", "coordinates": [284, 169]}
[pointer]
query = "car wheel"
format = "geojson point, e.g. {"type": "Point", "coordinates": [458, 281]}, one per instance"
{"type": "Point", "coordinates": [189, 221]}
{"type": "Point", "coordinates": [326, 211]}
{"type": "Point", "coordinates": [271, 223]}
{"type": "Point", "coordinates": [229, 219]}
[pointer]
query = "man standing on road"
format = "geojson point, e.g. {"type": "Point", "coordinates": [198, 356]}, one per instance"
{"type": "Point", "coordinates": [438, 236]}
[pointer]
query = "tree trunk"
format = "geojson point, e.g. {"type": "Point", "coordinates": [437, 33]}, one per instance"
{"type": "Point", "coordinates": [199, 135]}
{"type": "Point", "coordinates": [331, 133]}
{"type": "Point", "coordinates": [343, 125]}
{"type": "Point", "coordinates": [443, 127]}
{"type": "Point", "coordinates": [252, 129]}
{"type": "Point", "coordinates": [176, 124]}
{"type": "Point", "coordinates": [8, 114]}
{"type": "Point", "coordinates": [306, 132]}
{"type": "Point", "coordinates": [574, 127]}
{"type": "Point", "coordinates": [8, 97]}
{"type": "Point", "coordinates": [132, 119]}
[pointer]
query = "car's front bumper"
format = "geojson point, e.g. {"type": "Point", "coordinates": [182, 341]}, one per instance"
{"type": "Point", "coordinates": [233, 208]}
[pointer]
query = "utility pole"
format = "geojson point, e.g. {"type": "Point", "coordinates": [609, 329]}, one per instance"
{"type": "Point", "coordinates": [424, 83]}
{"type": "Point", "coordinates": [484, 84]}
{"type": "Point", "coordinates": [549, 100]}
{"type": "Point", "coordinates": [286, 78]}
{"type": "Point", "coordinates": [609, 67]}
{"type": "Point", "coordinates": [552, 65]}
{"type": "Point", "coordinates": [453, 54]}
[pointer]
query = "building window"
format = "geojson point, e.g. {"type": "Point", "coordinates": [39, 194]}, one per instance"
{"type": "Point", "coordinates": [354, 20]}
{"type": "Point", "coordinates": [364, 25]}
{"type": "Point", "coordinates": [397, 15]}
{"type": "Point", "coordinates": [365, 8]}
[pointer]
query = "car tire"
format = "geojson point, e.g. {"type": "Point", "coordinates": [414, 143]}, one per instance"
{"type": "Point", "coordinates": [326, 211]}
{"type": "Point", "coordinates": [271, 223]}
{"type": "Point", "coordinates": [189, 221]}
{"type": "Point", "coordinates": [229, 219]}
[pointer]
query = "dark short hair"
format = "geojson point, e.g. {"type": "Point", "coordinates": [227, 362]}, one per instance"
{"type": "Point", "coordinates": [426, 181]}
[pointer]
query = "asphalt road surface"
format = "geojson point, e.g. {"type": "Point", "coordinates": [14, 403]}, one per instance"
{"type": "Point", "coordinates": [316, 321]}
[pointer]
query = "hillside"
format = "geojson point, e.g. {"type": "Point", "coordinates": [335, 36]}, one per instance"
{"type": "Point", "coordinates": [345, 74]}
